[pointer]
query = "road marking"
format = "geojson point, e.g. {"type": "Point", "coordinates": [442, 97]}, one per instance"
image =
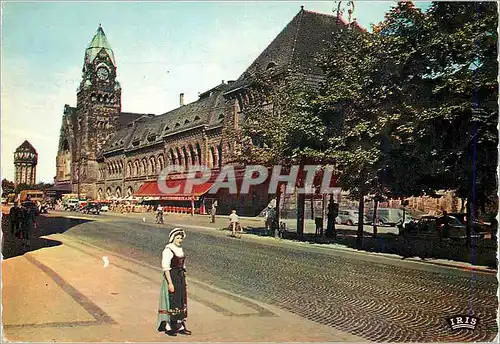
{"type": "Point", "coordinates": [260, 311]}
{"type": "Point", "coordinates": [97, 313]}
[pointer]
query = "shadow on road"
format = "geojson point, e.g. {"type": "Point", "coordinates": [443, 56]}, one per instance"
{"type": "Point", "coordinates": [46, 225]}
{"type": "Point", "coordinates": [482, 252]}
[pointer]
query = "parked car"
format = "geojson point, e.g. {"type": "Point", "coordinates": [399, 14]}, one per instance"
{"type": "Point", "coordinates": [389, 216]}
{"type": "Point", "coordinates": [91, 208]}
{"type": "Point", "coordinates": [434, 226]}
{"type": "Point", "coordinates": [479, 225]}
{"type": "Point", "coordinates": [71, 204]}
{"type": "Point", "coordinates": [104, 207]}
{"type": "Point", "coordinates": [349, 217]}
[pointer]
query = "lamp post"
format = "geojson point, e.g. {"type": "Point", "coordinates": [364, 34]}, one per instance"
{"type": "Point", "coordinates": [342, 7]}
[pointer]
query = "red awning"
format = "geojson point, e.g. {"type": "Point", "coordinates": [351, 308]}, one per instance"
{"type": "Point", "coordinates": [151, 189]}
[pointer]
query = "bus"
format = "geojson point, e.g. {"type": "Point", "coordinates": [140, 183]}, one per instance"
{"type": "Point", "coordinates": [32, 195]}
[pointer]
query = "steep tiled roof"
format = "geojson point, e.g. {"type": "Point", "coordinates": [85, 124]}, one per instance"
{"type": "Point", "coordinates": [26, 147]}
{"type": "Point", "coordinates": [149, 130]}
{"type": "Point", "coordinates": [128, 117]}
{"type": "Point", "coordinates": [296, 46]}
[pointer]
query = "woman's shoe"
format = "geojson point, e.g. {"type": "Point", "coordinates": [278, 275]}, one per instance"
{"type": "Point", "coordinates": [185, 331]}
{"type": "Point", "coordinates": [171, 333]}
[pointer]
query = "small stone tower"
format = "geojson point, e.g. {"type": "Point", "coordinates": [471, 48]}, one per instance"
{"type": "Point", "coordinates": [25, 161]}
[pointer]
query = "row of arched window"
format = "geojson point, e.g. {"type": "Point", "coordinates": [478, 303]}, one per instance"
{"type": "Point", "coordinates": [185, 156]}
{"type": "Point", "coordinates": [117, 192]}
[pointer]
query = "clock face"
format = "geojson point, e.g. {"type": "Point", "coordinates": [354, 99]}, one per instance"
{"type": "Point", "coordinates": [102, 73]}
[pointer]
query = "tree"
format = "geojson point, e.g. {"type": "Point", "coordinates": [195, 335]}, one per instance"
{"type": "Point", "coordinates": [465, 71]}
{"type": "Point", "coordinates": [282, 126]}
{"type": "Point", "coordinates": [416, 103]}
{"type": "Point", "coordinates": [7, 187]}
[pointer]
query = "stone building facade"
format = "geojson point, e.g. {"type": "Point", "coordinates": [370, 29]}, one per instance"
{"type": "Point", "coordinates": [25, 161]}
{"type": "Point", "coordinates": [105, 153]}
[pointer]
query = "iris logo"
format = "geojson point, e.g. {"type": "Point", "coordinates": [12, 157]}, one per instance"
{"type": "Point", "coordinates": [463, 321]}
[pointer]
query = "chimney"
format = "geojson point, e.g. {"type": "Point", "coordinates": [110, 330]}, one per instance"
{"type": "Point", "coordinates": [181, 99]}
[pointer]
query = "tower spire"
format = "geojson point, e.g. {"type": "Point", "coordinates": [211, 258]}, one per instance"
{"type": "Point", "coordinates": [98, 42]}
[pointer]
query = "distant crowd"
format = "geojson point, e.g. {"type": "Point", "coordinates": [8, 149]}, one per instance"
{"type": "Point", "coordinates": [22, 221]}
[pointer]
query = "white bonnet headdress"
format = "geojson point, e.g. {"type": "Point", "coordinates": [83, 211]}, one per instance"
{"type": "Point", "coordinates": [174, 232]}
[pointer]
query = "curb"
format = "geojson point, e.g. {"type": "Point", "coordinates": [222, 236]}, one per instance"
{"type": "Point", "coordinates": [458, 265]}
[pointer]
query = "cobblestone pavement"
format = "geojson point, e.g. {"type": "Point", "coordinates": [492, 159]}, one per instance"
{"type": "Point", "coordinates": [378, 300]}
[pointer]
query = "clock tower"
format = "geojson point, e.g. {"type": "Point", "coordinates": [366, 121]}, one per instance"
{"type": "Point", "coordinates": [98, 108]}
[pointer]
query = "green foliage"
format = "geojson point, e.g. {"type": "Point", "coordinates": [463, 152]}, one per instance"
{"type": "Point", "coordinates": [7, 187]}
{"type": "Point", "coordinates": [413, 107]}
{"type": "Point", "coordinates": [406, 110]}
{"type": "Point", "coordinates": [281, 122]}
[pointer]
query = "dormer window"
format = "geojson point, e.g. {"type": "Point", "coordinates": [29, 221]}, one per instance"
{"type": "Point", "coordinates": [166, 128]}
{"type": "Point", "coordinates": [186, 121]}
{"type": "Point", "coordinates": [221, 117]}
{"type": "Point", "coordinates": [177, 125]}
{"type": "Point", "coordinates": [151, 137]}
{"type": "Point", "coordinates": [270, 65]}
{"type": "Point", "coordinates": [197, 118]}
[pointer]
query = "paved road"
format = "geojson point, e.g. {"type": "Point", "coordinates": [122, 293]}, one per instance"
{"type": "Point", "coordinates": [376, 298]}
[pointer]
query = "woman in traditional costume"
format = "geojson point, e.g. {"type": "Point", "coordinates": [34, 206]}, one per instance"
{"type": "Point", "coordinates": [172, 312]}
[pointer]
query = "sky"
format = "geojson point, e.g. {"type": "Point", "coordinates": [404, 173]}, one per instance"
{"type": "Point", "coordinates": [162, 49]}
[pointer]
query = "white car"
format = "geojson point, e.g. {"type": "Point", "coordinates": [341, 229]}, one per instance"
{"type": "Point", "coordinates": [104, 207]}
{"type": "Point", "coordinates": [349, 217]}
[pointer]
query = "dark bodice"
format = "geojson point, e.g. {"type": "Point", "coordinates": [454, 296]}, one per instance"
{"type": "Point", "coordinates": [177, 262]}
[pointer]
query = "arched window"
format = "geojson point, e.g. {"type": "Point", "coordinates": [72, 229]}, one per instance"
{"type": "Point", "coordinates": [173, 158]}
{"type": "Point", "coordinates": [186, 156]}
{"type": "Point", "coordinates": [198, 153]}
{"type": "Point", "coordinates": [211, 157]}
{"type": "Point", "coordinates": [152, 165]}
{"type": "Point", "coordinates": [108, 193]}
{"type": "Point", "coordinates": [118, 192]}
{"type": "Point", "coordinates": [193, 155]}
{"type": "Point", "coordinates": [180, 157]}
{"type": "Point", "coordinates": [161, 162]}
{"type": "Point", "coordinates": [130, 191]}
{"type": "Point", "coordinates": [219, 155]}
{"type": "Point", "coordinates": [137, 168]}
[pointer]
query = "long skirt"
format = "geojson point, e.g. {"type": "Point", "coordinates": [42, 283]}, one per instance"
{"type": "Point", "coordinates": [172, 309]}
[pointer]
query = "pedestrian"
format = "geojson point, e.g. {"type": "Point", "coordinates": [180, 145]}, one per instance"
{"type": "Point", "coordinates": [172, 310]}
{"type": "Point", "coordinates": [15, 218]}
{"type": "Point", "coordinates": [159, 215]}
{"type": "Point", "coordinates": [27, 225]}
{"type": "Point", "coordinates": [271, 221]}
{"type": "Point", "coordinates": [333, 212]}
{"type": "Point", "coordinates": [213, 211]}
{"type": "Point", "coordinates": [234, 221]}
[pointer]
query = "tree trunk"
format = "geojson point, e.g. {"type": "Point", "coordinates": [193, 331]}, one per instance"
{"type": "Point", "coordinates": [462, 208]}
{"type": "Point", "coordinates": [324, 225]}
{"type": "Point", "coordinates": [469, 220]}
{"type": "Point", "coordinates": [375, 218]}
{"type": "Point", "coordinates": [359, 239]}
{"type": "Point", "coordinates": [301, 204]}
{"type": "Point", "coordinates": [276, 223]}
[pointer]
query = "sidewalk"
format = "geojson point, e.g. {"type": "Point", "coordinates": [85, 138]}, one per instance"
{"type": "Point", "coordinates": [344, 242]}
{"type": "Point", "coordinates": [65, 293]}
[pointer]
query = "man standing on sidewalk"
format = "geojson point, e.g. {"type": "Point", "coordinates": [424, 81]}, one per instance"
{"type": "Point", "coordinates": [213, 211]}
{"type": "Point", "coordinates": [15, 218]}
{"type": "Point", "coordinates": [159, 215]}
{"type": "Point", "coordinates": [234, 220]}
